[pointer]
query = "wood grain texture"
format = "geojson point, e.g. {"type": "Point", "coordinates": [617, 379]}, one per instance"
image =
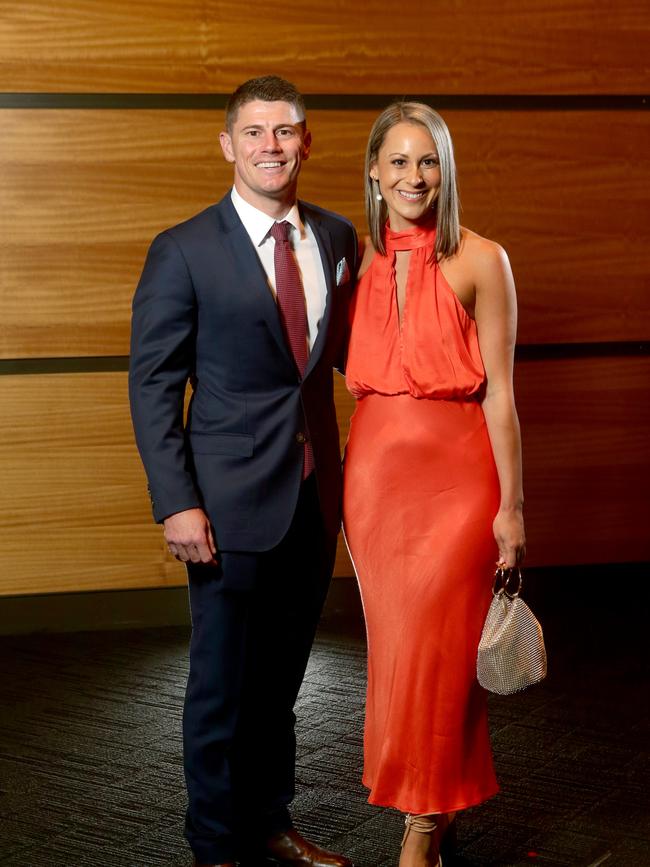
{"type": "Point", "coordinates": [83, 195]}
{"type": "Point", "coordinates": [374, 47]}
{"type": "Point", "coordinates": [84, 192]}
{"type": "Point", "coordinates": [585, 429]}
{"type": "Point", "coordinates": [568, 196]}
{"type": "Point", "coordinates": [75, 515]}
{"type": "Point", "coordinates": [74, 509]}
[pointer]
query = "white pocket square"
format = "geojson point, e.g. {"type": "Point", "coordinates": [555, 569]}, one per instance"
{"type": "Point", "coordinates": [342, 272]}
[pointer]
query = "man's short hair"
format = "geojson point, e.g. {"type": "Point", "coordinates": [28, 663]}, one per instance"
{"type": "Point", "coordinates": [268, 88]}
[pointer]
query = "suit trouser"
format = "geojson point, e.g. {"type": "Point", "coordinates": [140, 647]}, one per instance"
{"type": "Point", "coordinates": [253, 624]}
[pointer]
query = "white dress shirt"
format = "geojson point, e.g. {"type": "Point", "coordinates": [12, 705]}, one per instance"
{"type": "Point", "coordinates": [304, 244]}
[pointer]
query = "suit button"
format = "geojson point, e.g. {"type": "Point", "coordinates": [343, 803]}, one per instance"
{"type": "Point", "coordinates": [301, 438]}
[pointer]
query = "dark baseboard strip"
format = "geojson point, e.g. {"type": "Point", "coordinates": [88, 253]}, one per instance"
{"type": "Point", "coordinates": [81, 612]}
{"type": "Point", "coordinates": [135, 609]}
{"type": "Point", "coordinates": [334, 101]}
{"type": "Point", "coordinates": [524, 352]}
{"type": "Point", "coordinates": [580, 587]}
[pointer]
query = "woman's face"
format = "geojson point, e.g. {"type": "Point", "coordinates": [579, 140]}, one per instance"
{"type": "Point", "coordinates": [408, 171]}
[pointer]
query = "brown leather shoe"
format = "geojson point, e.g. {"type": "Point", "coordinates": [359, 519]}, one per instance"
{"type": "Point", "coordinates": [289, 848]}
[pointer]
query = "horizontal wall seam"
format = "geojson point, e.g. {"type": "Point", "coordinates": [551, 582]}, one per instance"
{"type": "Point", "coordinates": [601, 349]}
{"type": "Point", "coordinates": [77, 364]}
{"type": "Point", "coordinates": [523, 352]}
{"type": "Point", "coordinates": [334, 101]}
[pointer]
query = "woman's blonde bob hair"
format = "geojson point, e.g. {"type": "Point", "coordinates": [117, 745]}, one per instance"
{"type": "Point", "coordinates": [447, 203]}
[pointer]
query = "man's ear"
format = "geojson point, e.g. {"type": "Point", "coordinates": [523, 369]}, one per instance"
{"type": "Point", "coordinates": [306, 145]}
{"type": "Point", "coordinates": [226, 146]}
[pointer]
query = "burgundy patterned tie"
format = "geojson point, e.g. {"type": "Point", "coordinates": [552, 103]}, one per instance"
{"type": "Point", "coordinates": [291, 305]}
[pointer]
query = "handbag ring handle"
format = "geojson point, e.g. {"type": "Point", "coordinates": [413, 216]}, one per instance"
{"type": "Point", "coordinates": [503, 578]}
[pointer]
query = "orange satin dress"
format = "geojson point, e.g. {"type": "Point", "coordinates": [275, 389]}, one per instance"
{"type": "Point", "coordinates": [420, 495]}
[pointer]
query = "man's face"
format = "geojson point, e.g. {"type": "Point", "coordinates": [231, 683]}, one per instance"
{"type": "Point", "coordinates": [267, 144]}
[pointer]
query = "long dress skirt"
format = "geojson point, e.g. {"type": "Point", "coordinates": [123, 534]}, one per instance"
{"type": "Point", "coordinates": [420, 495]}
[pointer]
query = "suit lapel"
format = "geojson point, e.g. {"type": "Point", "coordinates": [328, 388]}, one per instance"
{"type": "Point", "coordinates": [248, 268]}
{"type": "Point", "coordinates": [326, 248]}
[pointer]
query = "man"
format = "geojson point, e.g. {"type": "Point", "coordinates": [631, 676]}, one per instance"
{"type": "Point", "coordinates": [248, 301]}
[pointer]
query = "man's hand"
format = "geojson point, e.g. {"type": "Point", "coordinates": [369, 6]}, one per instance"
{"type": "Point", "coordinates": [189, 537]}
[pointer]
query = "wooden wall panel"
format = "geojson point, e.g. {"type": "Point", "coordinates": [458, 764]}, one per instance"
{"type": "Point", "coordinates": [75, 515]}
{"type": "Point", "coordinates": [585, 429]}
{"type": "Point", "coordinates": [83, 193]}
{"type": "Point", "coordinates": [370, 47]}
{"type": "Point", "coordinates": [74, 511]}
{"type": "Point", "coordinates": [568, 195]}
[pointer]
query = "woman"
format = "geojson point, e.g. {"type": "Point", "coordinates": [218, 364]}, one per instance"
{"type": "Point", "coordinates": [432, 490]}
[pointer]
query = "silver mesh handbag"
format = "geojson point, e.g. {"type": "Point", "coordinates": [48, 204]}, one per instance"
{"type": "Point", "coordinates": [511, 652]}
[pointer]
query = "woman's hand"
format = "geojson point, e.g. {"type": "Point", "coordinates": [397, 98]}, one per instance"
{"type": "Point", "coordinates": [510, 536]}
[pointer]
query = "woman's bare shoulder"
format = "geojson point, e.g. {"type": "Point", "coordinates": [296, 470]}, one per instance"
{"type": "Point", "coordinates": [366, 254]}
{"type": "Point", "coordinates": [475, 248]}
{"type": "Point", "coordinates": [487, 265]}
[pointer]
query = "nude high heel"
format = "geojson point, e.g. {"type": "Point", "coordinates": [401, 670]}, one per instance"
{"type": "Point", "coordinates": [423, 824]}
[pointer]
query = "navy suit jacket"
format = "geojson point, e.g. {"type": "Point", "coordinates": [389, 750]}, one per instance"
{"type": "Point", "coordinates": [203, 312]}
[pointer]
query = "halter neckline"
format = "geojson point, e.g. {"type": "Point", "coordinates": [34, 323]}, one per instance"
{"type": "Point", "coordinates": [410, 239]}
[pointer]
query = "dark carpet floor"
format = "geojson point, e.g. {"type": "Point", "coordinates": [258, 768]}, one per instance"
{"type": "Point", "coordinates": [90, 750]}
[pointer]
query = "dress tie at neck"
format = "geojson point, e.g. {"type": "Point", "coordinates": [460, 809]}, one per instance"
{"type": "Point", "coordinates": [410, 239]}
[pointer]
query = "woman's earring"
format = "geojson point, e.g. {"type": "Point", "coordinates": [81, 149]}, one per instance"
{"type": "Point", "coordinates": [378, 195]}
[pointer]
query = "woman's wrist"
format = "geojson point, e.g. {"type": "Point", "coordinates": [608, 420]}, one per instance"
{"type": "Point", "coordinates": [512, 506]}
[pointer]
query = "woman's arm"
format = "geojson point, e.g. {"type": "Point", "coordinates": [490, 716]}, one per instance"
{"type": "Point", "coordinates": [496, 321]}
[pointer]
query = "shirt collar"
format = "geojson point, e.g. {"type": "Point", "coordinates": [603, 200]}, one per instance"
{"type": "Point", "coordinates": [258, 224]}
